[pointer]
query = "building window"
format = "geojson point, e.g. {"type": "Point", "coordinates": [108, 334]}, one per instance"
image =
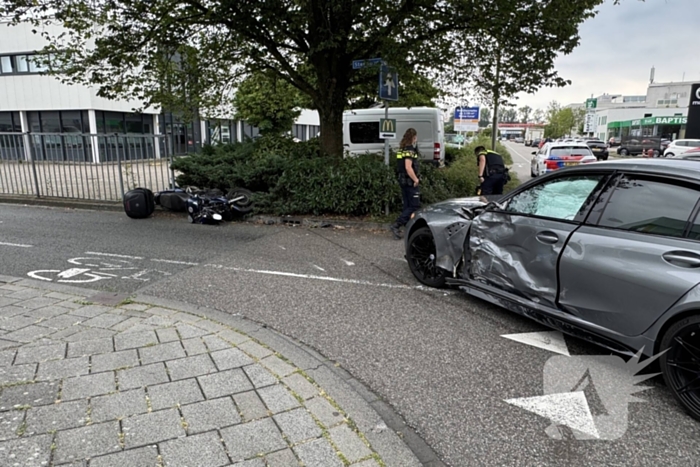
{"type": "Point", "coordinates": [10, 122]}
{"type": "Point", "coordinates": [6, 65]}
{"type": "Point", "coordinates": [23, 63]}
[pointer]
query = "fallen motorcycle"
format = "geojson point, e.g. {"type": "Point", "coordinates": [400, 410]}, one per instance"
{"type": "Point", "coordinates": [206, 206]}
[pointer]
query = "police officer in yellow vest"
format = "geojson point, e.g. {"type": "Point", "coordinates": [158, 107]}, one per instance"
{"type": "Point", "coordinates": [407, 169]}
{"type": "Point", "coordinates": [493, 174]}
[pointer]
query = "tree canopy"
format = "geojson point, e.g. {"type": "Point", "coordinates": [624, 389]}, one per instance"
{"type": "Point", "coordinates": [166, 52]}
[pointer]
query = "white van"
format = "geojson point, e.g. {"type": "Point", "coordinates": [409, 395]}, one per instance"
{"type": "Point", "coordinates": [361, 130]}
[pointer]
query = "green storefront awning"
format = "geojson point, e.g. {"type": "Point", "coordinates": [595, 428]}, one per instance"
{"type": "Point", "coordinates": [650, 121]}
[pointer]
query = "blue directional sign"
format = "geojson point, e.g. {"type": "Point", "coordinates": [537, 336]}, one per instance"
{"type": "Point", "coordinates": [388, 84]}
{"type": "Point", "coordinates": [357, 64]}
{"type": "Point", "coordinates": [467, 113]}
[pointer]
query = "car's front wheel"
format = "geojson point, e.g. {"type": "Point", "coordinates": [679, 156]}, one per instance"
{"type": "Point", "coordinates": [668, 154]}
{"type": "Point", "coordinates": [624, 152]}
{"type": "Point", "coordinates": [681, 363]}
{"type": "Point", "coordinates": [422, 257]}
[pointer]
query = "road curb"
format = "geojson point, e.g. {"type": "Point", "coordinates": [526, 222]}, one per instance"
{"type": "Point", "coordinates": [397, 443]}
{"type": "Point", "coordinates": [115, 206]}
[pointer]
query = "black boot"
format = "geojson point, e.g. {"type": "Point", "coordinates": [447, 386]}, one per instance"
{"type": "Point", "coordinates": [395, 229]}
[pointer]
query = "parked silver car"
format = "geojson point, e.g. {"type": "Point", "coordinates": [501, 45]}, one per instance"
{"type": "Point", "coordinates": [596, 251]}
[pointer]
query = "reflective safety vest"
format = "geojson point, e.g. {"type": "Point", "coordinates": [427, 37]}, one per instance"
{"type": "Point", "coordinates": [494, 163]}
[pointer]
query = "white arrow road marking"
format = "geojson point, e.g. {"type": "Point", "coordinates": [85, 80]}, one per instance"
{"type": "Point", "coordinates": [568, 408]}
{"type": "Point", "coordinates": [16, 244]}
{"type": "Point", "coordinates": [548, 340]}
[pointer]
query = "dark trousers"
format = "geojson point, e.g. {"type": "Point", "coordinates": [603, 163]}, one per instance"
{"type": "Point", "coordinates": [493, 184]}
{"type": "Point", "coordinates": [411, 203]}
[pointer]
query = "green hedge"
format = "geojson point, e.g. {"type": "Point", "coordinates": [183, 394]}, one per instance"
{"type": "Point", "coordinates": [292, 178]}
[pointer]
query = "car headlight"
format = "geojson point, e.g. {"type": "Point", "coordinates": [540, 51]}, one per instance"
{"type": "Point", "coordinates": [413, 214]}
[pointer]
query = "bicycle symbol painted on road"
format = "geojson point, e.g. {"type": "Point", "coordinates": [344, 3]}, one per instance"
{"type": "Point", "coordinates": [95, 269]}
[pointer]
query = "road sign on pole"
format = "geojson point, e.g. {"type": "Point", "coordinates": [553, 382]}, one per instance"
{"type": "Point", "coordinates": [357, 64]}
{"type": "Point", "coordinates": [466, 119]}
{"type": "Point", "coordinates": [387, 128]}
{"type": "Point", "coordinates": [388, 84]}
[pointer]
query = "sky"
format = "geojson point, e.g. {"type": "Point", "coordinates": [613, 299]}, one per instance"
{"type": "Point", "coordinates": [620, 45]}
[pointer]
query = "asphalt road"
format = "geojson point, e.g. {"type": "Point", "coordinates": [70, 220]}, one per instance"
{"type": "Point", "coordinates": [522, 155]}
{"type": "Point", "coordinates": [438, 357]}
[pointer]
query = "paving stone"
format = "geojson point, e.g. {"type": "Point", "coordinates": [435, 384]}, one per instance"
{"type": "Point", "coordinates": [5, 344]}
{"type": "Point", "coordinates": [277, 366]}
{"type": "Point", "coordinates": [187, 331]}
{"type": "Point", "coordinates": [90, 347]}
{"type": "Point", "coordinates": [347, 441]}
{"type": "Point", "coordinates": [167, 335]}
{"type": "Point", "coordinates": [367, 463]}
{"type": "Point", "coordinates": [84, 442]}
{"type": "Point", "coordinates": [105, 321]}
{"type": "Point", "coordinates": [190, 367]}
{"type": "Point", "coordinates": [90, 311]}
{"type": "Point", "coordinates": [61, 322]}
{"type": "Point", "coordinates": [152, 428]}
{"type": "Point", "coordinates": [25, 294]}
{"type": "Point", "coordinates": [33, 394]}
{"type": "Point", "coordinates": [37, 302]}
{"type": "Point", "coordinates": [121, 404]}
{"type": "Point", "coordinates": [297, 425]}
{"type": "Point", "coordinates": [277, 398]}
{"type": "Point", "coordinates": [301, 386]}
{"type": "Point", "coordinates": [4, 301]}
{"type": "Point", "coordinates": [210, 326]}
{"type": "Point", "coordinates": [73, 464]}
{"type": "Point", "coordinates": [224, 383]}
{"type": "Point", "coordinates": [70, 304]}
{"type": "Point", "coordinates": [14, 373]}
{"type": "Point", "coordinates": [194, 346]}
{"type": "Point", "coordinates": [249, 439]}
{"type": "Point", "coordinates": [171, 394]}
{"type": "Point", "coordinates": [135, 307]}
{"type": "Point", "coordinates": [63, 296]}
{"type": "Point", "coordinates": [142, 376]}
{"type": "Point", "coordinates": [47, 312]}
{"type": "Point", "coordinates": [162, 352]}
{"type": "Point", "coordinates": [48, 418]}
{"type": "Point", "coordinates": [257, 462]}
{"type": "Point", "coordinates": [215, 343]}
{"type": "Point", "coordinates": [11, 424]}
{"type": "Point", "coordinates": [88, 386]}
{"type": "Point", "coordinates": [318, 453]}
{"type": "Point", "coordinates": [233, 337]}
{"type": "Point", "coordinates": [16, 322]}
{"type": "Point", "coordinates": [113, 360]}
{"type": "Point", "coordinates": [40, 353]}
{"type": "Point", "coordinates": [12, 288]}
{"type": "Point", "coordinates": [210, 415]}
{"type": "Point", "coordinates": [250, 405]}
{"type": "Point", "coordinates": [255, 349]}
{"type": "Point", "coordinates": [141, 457]}
{"type": "Point", "coordinates": [161, 311]}
{"type": "Point", "coordinates": [125, 325]}
{"type": "Point", "coordinates": [132, 340]}
{"type": "Point", "coordinates": [33, 451]}
{"type": "Point", "coordinates": [187, 318]}
{"type": "Point", "coordinates": [160, 321]}
{"type": "Point", "coordinates": [27, 334]}
{"type": "Point", "coordinates": [230, 358]}
{"type": "Point", "coordinates": [90, 333]}
{"type": "Point", "coordinates": [324, 411]}
{"type": "Point", "coordinates": [203, 449]}
{"type": "Point", "coordinates": [133, 313]}
{"type": "Point", "coordinates": [10, 311]}
{"type": "Point", "coordinates": [59, 369]}
{"type": "Point", "coordinates": [283, 458]}
{"type": "Point", "coordinates": [259, 376]}
{"type": "Point", "coordinates": [7, 357]}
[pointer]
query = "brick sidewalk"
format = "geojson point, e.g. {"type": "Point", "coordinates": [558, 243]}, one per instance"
{"type": "Point", "coordinates": [94, 380]}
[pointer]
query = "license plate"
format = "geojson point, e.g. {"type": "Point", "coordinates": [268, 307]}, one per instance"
{"type": "Point", "coordinates": [596, 149]}
{"type": "Point", "coordinates": [570, 163]}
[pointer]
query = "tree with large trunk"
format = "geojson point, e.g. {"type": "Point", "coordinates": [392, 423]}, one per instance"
{"type": "Point", "coordinates": [193, 53]}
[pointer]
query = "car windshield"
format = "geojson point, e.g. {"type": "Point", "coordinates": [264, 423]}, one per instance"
{"type": "Point", "coordinates": [569, 151]}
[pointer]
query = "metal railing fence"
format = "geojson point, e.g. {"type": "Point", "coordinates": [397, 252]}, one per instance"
{"type": "Point", "coordinates": [83, 166]}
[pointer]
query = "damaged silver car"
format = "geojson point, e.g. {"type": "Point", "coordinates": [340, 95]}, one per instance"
{"type": "Point", "coordinates": [606, 252]}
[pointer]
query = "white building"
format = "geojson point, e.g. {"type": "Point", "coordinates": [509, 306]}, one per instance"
{"type": "Point", "coordinates": [36, 103]}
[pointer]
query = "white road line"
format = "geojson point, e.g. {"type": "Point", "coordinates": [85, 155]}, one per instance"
{"type": "Point", "coordinates": [170, 261]}
{"type": "Point", "coordinates": [309, 276]}
{"type": "Point", "coordinates": [16, 244]}
{"type": "Point", "coordinates": [112, 255]}
{"type": "Point", "coordinates": [281, 247]}
{"type": "Point", "coordinates": [512, 149]}
{"type": "Point", "coordinates": [349, 263]}
{"type": "Point", "coordinates": [319, 268]}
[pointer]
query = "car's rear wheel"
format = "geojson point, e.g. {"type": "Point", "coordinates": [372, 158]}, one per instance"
{"type": "Point", "coordinates": [668, 154]}
{"type": "Point", "coordinates": [421, 256]}
{"type": "Point", "coordinates": [624, 152]}
{"type": "Point", "coordinates": [681, 363]}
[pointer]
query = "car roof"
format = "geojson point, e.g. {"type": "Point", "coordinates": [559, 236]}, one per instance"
{"type": "Point", "coordinates": [674, 167]}
{"type": "Point", "coordinates": [568, 145]}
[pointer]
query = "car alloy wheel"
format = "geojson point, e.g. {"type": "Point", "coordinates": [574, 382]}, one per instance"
{"type": "Point", "coordinates": [421, 256]}
{"type": "Point", "coordinates": [681, 363]}
{"type": "Point", "coordinates": [668, 154]}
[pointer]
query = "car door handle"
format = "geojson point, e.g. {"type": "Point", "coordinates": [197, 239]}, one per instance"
{"type": "Point", "coordinates": [547, 237]}
{"type": "Point", "coordinates": [687, 258]}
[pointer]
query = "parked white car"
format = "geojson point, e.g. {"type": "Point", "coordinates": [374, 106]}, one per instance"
{"type": "Point", "coordinates": [553, 156]}
{"type": "Point", "coordinates": [680, 146]}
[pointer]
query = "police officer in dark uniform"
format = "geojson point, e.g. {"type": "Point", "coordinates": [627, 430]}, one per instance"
{"type": "Point", "coordinates": [408, 170]}
{"type": "Point", "coordinates": [493, 174]}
